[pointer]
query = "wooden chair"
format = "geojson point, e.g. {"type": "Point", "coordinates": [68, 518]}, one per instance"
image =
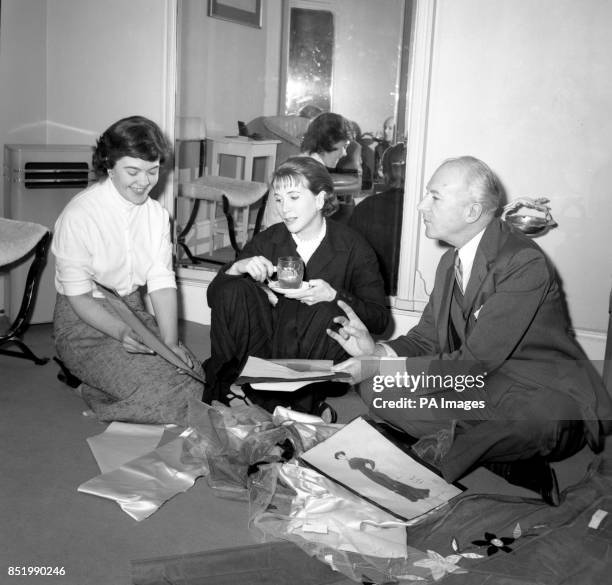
{"type": "Point", "coordinates": [236, 198]}
{"type": "Point", "coordinates": [18, 239]}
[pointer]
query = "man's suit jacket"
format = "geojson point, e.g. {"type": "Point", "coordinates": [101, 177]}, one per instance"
{"type": "Point", "coordinates": [517, 328]}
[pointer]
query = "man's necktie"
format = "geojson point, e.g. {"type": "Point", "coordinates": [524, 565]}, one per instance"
{"type": "Point", "coordinates": [458, 271]}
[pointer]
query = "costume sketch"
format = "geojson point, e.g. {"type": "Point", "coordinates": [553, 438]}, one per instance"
{"type": "Point", "coordinates": [366, 466]}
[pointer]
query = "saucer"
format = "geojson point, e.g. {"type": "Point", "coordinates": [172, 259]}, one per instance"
{"type": "Point", "coordinates": [273, 284]}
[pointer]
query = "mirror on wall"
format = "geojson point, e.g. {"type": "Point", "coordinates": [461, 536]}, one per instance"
{"type": "Point", "coordinates": [346, 56]}
{"type": "Point", "coordinates": [310, 60]}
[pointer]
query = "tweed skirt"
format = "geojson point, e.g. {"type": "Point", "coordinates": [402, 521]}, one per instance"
{"type": "Point", "coordinates": [118, 385]}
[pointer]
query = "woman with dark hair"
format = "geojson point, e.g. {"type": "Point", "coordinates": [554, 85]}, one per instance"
{"type": "Point", "coordinates": [329, 139]}
{"type": "Point", "coordinates": [326, 139]}
{"type": "Point", "coordinates": [115, 234]}
{"type": "Point", "coordinates": [248, 318]}
{"type": "Point", "coordinates": [137, 137]}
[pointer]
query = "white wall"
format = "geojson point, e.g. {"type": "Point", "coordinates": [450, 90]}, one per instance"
{"type": "Point", "coordinates": [23, 80]}
{"type": "Point", "coordinates": [23, 65]}
{"type": "Point", "coordinates": [68, 68]}
{"type": "Point", "coordinates": [105, 60]}
{"type": "Point", "coordinates": [526, 87]}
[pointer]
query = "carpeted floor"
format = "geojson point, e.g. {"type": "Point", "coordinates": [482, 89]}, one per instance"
{"type": "Point", "coordinates": [45, 457]}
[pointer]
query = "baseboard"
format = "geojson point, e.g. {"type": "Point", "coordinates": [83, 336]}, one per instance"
{"type": "Point", "coordinates": [594, 345]}
{"type": "Point", "coordinates": [192, 286]}
{"type": "Point", "coordinates": [403, 321]}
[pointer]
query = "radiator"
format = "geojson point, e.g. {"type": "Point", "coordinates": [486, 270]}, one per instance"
{"type": "Point", "coordinates": [39, 180]}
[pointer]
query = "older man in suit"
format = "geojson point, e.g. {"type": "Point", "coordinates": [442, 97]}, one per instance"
{"type": "Point", "coordinates": [496, 317]}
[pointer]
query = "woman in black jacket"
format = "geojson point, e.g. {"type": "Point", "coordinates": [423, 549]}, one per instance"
{"type": "Point", "coordinates": [248, 318]}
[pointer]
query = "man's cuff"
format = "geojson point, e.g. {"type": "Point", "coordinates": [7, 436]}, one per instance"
{"type": "Point", "coordinates": [385, 350]}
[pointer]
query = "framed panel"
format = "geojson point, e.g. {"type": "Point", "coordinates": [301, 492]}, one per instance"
{"type": "Point", "coordinates": [246, 12]}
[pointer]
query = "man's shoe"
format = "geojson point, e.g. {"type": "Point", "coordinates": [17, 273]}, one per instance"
{"type": "Point", "coordinates": [534, 474]}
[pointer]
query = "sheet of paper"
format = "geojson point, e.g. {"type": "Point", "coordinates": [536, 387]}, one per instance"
{"type": "Point", "coordinates": [122, 442]}
{"type": "Point", "coordinates": [260, 370]}
{"type": "Point", "coordinates": [146, 335]}
{"type": "Point", "coordinates": [361, 459]}
{"type": "Point", "coordinates": [305, 365]}
{"type": "Point", "coordinates": [280, 386]}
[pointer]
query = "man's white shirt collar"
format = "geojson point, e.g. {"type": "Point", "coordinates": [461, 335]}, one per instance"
{"type": "Point", "coordinates": [467, 254]}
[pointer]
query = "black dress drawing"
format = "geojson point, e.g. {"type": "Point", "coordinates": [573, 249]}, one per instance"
{"type": "Point", "coordinates": [367, 467]}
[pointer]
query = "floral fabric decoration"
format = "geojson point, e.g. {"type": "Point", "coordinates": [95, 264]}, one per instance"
{"type": "Point", "coordinates": [439, 565]}
{"type": "Point", "coordinates": [494, 544]}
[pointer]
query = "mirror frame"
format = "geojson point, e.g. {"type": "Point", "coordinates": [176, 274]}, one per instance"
{"type": "Point", "coordinates": [412, 295]}
{"type": "Point", "coordinates": [169, 97]}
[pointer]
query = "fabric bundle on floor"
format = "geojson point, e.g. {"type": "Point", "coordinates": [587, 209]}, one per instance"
{"type": "Point", "coordinates": [247, 453]}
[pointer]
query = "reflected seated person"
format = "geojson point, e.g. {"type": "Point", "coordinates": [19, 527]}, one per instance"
{"type": "Point", "coordinates": [379, 217]}
{"type": "Point", "coordinates": [328, 140]}
{"type": "Point", "coordinates": [496, 318]}
{"type": "Point", "coordinates": [384, 142]}
{"type": "Point", "coordinates": [249, 319]}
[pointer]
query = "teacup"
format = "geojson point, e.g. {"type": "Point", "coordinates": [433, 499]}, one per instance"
{"type": "Point", "coordinates": [290, 272]}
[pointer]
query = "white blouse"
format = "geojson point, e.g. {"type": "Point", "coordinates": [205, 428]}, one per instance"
{"type": "Point", "coordinates": [306, 248]}
{"type": "Point", "coordinates": [102, 236]}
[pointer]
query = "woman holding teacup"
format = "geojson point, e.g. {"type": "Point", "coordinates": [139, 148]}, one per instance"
{"type": "Point", "coordinates": [253, 314]}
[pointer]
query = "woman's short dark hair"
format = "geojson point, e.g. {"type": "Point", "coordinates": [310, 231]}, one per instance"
{"type": "Point", "coordinates": [324, 131]}
{"type": "Point", "coordinates": [310, 173]}
{"type": "Point", "coordinates": [135, 136]}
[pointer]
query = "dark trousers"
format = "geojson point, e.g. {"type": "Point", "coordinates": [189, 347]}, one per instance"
{"type": "Point", "coordinates": [520, 423]}
{"type": "Point", "coordinates": [244, 323]}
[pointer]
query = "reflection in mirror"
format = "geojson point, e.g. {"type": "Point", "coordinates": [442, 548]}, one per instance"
{"type": "Point", "coordinates": [367, 57]}
{"type": "Point", "coordinates": [311, 54]}
{"type": "Point", "coordinates": [228, 72]}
